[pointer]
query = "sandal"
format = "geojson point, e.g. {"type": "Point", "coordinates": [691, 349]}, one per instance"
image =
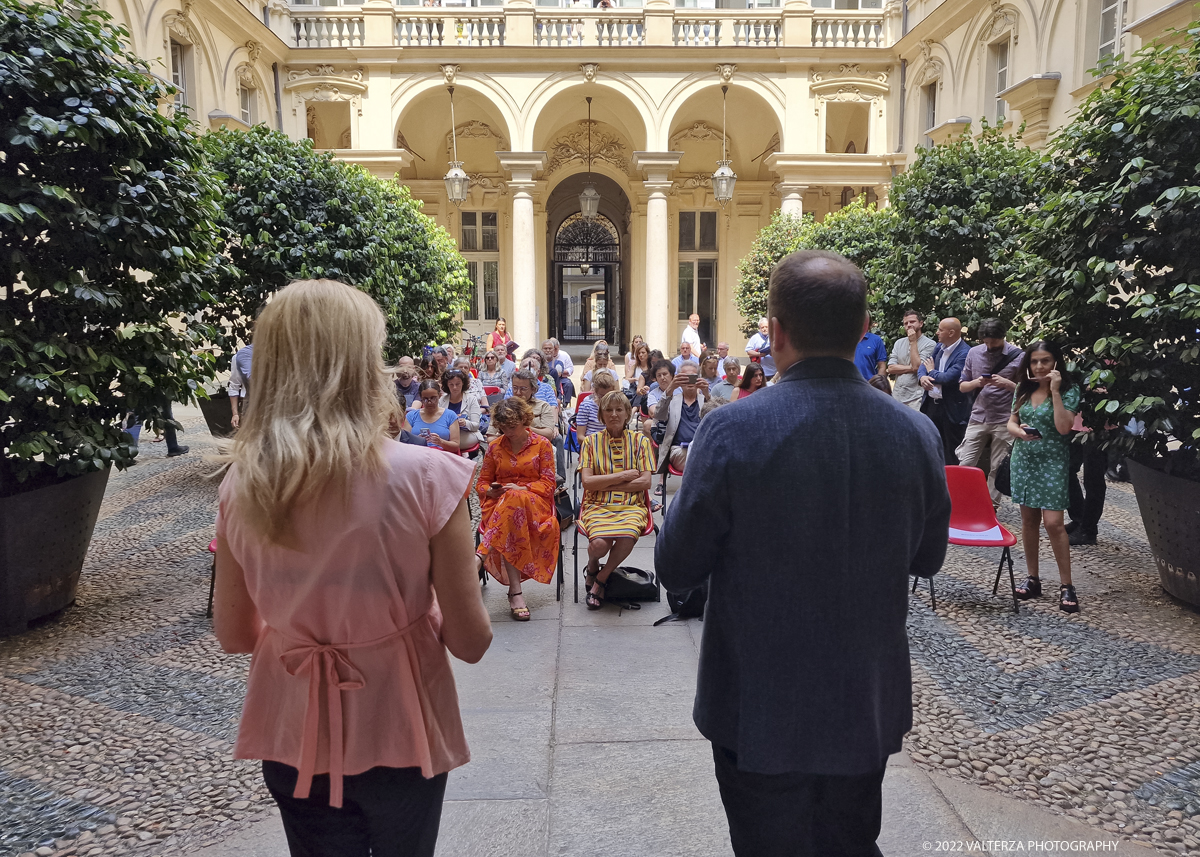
{"type": "Point", "coordinates": [1068, 601]}
{"type": "Point", "coordinates": [1031, 588]}
{"type": "Point", "coordinates": [594, 601]}
{"type": "Point", "coordinates": [519, 614]}
{"type": "Point", "coordinates": [589, 576]}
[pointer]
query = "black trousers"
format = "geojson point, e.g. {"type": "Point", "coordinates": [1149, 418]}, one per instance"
{"type": "Point", "coordinates": [1087, 503]}
{"type": "Point", "coordinates": [952, 433]}
{"type": "Point", "coordinates": [386, 812]}
{"type": "Point", "coordinates": [800, 815]}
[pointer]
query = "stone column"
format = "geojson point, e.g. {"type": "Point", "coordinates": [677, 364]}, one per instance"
{"type": "Point", "coordinates": [793, 198]}
{"type": "Point", "coordinates": [657, 167]}
{"type": "Point", "coordinates": [523, 166]}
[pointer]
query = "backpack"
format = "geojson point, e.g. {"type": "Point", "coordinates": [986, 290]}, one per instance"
{"type": "Point", "coordinates": [686, 605]}
{"type": "Point", "coordinates": [627, 583]}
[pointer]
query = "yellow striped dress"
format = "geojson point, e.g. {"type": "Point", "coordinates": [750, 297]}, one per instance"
{"type": "Point", "coordinates": [615, 514]}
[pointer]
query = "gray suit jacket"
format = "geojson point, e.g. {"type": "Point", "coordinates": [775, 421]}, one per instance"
{"type": "Point", "coordinates": [670, 411]}
{"type": "Point", "coordinates": [806, 507]}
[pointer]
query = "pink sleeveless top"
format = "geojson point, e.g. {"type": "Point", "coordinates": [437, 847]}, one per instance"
{"type": "Point", "coordinates": [350, 671]}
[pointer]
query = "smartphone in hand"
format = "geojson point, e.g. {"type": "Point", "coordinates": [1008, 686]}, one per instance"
{"type": "Point", "coordinates": [1031, 431]}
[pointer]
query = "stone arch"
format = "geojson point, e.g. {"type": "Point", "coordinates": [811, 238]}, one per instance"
{"type": "Point", "coordinates": [483, 122]}
{"type": "Point", "coordinates": [616, 101]}
{"type": "Point", "coordinates": [694, 128]}
{"type": "Point", "coordinates": [762, 90]}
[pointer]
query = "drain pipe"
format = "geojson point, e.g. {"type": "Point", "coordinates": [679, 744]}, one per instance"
{"type": "Point", "coordinates": [903, 98]}
{"type": "Point", "coordinates": [278, 98]}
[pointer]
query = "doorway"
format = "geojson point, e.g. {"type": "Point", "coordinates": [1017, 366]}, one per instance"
{"type": "Point", "coordinates": [587, 280]}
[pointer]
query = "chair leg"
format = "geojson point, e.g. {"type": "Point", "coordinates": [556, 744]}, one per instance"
{"type": "Point", "coordinates": [212, 587]}
{"type": "Point", "coordinates": [999, 571]}
{"type": "Point", "coordinates": [575, 553]}
{"type": "Point", "coordinates": [932, 598]}
{"type": "Point", "coordinates": [1012, 581]}
{"type": "Point", "coordinates": [916, 580]}
{"type": "Point", "coordinates": [558, 584]}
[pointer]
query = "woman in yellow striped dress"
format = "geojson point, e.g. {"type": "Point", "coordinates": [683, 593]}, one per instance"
{"type": "Point", "coordinates": [616, 466]}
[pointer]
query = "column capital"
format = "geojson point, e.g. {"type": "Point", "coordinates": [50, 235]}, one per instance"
{"type": "Point", "coordinates": [523, 166]}
{"type": "Point", "coordinates": [656, 166]}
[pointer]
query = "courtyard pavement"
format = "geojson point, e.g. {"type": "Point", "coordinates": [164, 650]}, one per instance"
{"type": "Point", "coordinates": [117, 717]}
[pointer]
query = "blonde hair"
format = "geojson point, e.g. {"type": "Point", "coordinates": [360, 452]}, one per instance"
{"type": "Point", "coordinates": [322, 402]}
{"type": "Point", "coordinates": [605, 380]}
{"type": "Point", "coordinates": [615, 399]}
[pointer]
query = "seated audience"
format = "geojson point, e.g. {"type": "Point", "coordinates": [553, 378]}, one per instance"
{"type": "Point", "coordinates": [474, 387]}
{"type": "Point", "coordinates": [616, 467]}
{"type": "Point", "coordinates": [407, 382]}
{"type": "Point", "coordinates": [685, 356]}
{"type": "Point", "coordinates": [438, 425]}
{"type": "Point", "coordinates": [733, 375]}
{"type": "Point", "coordinates": [492, 375]}
{"type": "Point", "coordinates": [680, 417]}
{"type": "Point", "coordinates": [463, 405]}
{"type": "Point", "coordinates": [519, 528]}
{"type": "Point", "coordinates": [590, 363]}
{"type": "Point", "coordinates": [587, 417]}
{"type": "Point", "coordinates": [663, 373]}
{"type": "Point", "coordinates": [753, 379]}
{"type": "Point", "coordinates": [601, 363]}
{"type": "Point", "coordinates": [545, 417]}
{"type": "Point", "coordinates": [710, 371]}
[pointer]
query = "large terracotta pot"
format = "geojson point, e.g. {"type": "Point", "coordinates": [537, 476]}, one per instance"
{"type": "Point", "coordinates": [1170, 508]}
{"type": "Point", "coordinates": [44, 538]}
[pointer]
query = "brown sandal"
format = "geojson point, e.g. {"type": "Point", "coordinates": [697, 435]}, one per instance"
{"type": "Point", "coordinates": [594, 601]}
{"type": "Point", "coordinates": [519, 614]}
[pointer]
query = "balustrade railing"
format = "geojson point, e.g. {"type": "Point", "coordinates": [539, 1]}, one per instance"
{"type": "Point", "coordinates": [848, 30]}
{"type": "Point", "coordinates": [328, 30]}
{"type": "Point", "coordinates": [413, 27]}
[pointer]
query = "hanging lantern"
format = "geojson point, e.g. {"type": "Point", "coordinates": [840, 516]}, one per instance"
{"type": "Point", "coordinates": [724, 178]}
{"type": "Point", "coordinates": [589, 200]}
{"type": "Point", "coordinates": [458, 183]}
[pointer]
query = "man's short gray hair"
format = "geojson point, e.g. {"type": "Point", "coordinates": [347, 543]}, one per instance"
{"type": "Point", "coordinates": [731, 363]}
{"type": "Point", "coordinates": [526, 375]}
{"type": "Point", "coordinates": [688, 363]}
{"type": "Point", "coordinates": [438, 349]}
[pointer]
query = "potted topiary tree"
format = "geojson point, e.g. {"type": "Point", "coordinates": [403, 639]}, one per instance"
{"type": "Point", "coordinates": [289, 212]}
{"type": "Point", "coordinates": [106, 223]}
{"type": "Point", "coordinates": [1118, 280]}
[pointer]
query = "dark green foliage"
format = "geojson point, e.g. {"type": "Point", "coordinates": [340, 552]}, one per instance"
{"type": "Point", "coordinates": [784, 234]}
{"type": "Point", "coordinates": [106, 220]}
{"type": "Point", "coordinates": [951, 238]}
{"type": "Point", "coordinates": [291, 213]}
{"type": "Point", "coordinates": [1118, 250]}
{"type": "Point", "coordinates": [863, 234]}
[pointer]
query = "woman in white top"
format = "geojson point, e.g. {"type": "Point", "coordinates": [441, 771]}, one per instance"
{"type": "Point", "coordinates": [601, 363]}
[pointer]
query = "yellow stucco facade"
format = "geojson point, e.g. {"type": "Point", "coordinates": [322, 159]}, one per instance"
{"type": "Point", "coordinates": [823, 104]}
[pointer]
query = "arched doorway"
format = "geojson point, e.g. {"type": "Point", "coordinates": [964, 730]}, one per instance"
{"type": "Point", "coordinates": [587, 277]}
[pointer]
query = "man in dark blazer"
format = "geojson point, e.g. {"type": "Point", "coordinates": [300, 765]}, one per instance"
{"type": "Point", "coordinates": [806, 507]}
{"type": "Point", "coordinates": [945, 404]}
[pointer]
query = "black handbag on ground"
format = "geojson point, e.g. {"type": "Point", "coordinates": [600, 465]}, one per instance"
{"type": "Point", "coordinates": [631, 584]}
{"type": "Point", "coordinates": [564, 509]}
{"type": "Point", "coordinates": [686, 605]}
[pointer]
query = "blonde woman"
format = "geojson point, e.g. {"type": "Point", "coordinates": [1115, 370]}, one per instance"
{"type": "Point", "coordinates": [331, 539]}
{"type": "Point", "coordinates": [590, 363]}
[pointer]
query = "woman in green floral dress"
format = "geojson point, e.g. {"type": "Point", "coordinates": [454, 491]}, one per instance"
{"type": "Point", "coordinates": [1043, 412]}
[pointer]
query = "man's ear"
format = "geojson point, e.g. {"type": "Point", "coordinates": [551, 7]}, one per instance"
{"type": "Point", "coordinates": [779, 337]}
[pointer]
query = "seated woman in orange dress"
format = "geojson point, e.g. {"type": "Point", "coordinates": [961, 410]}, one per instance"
{"type": "Point", "coordinates": [519, 539]}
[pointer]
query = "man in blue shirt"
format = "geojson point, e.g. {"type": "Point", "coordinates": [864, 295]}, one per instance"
{"type": "Point", "coordinates": [871, 355]}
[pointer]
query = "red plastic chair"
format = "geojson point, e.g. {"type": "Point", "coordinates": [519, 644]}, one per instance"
{"type": "Point", "coordinates": [212, 582]}
{"type": "Point", "coordinates": [489, 390]}
{"type": "Point", "coordinates": [651, 527]}
{"type": "Point", "coordinates": [973, 524]}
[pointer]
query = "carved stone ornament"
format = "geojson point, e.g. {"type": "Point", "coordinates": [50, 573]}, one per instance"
{"type": "Point", "coordinates": [356, 75]}
{"type": "Point", "coordinates": [178, 24]}
{"type": "Point", "coordinates": [245, 76]}
{"type": "Point", "coordinates": [450, 73]}
{"type": "Point", "coordinates": [698, 131]}
{"type": "Point", "coordinates": [848, 74]}
{"type": "Point", "coordinates": [726, 71]}
{"type": "Point", "coordinates": [573, 146]}
{"type": "Point", "coordinates": [486, 182]}
{"type": "Point", "coordinates": [695, 181]}
{"type": "Point", "coordinates": [475, 128]}
{"type": "Point", "coordinates": [253, 50]}
{"type": "Point", "coordinates": [326, 92]}
{"type": "Point", "coordinates": [930, 72]}
{"type": "Point", "coordinates": [1003, 20]}
{"type": "Point", "coordinates": [590, 70]}
{"type": "Point", "coordinates": [325, 83]}
{"type": "Point", "coordinates": [280, 6]}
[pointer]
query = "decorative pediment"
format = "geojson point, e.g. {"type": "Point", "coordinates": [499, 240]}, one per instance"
{"type": "Point", "coordinates": [931, 71]}
{"type": "Point", "coordinates": [474, 128]}
{"type": "Point", "coordinates": [1004, 20]}
{"type": "Point", "coordinates": [697, 131]}
{"type": "Point", "coordinates": [324, 83]}
{"type": "Point", "coordinates": [572, 146]}
{"type": "Point", "coordinates": [848, 78]}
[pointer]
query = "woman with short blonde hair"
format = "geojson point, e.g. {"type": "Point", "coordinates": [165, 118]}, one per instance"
{"type": "Point", "coordinates": [330, 540]}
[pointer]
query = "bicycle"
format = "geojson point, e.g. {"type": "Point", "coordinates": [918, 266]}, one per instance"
{"type": "Point", "coordinates": [473, 348]}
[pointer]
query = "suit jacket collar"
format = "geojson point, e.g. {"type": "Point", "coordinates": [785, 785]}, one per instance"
{"type": "Point", "coordinates": [822, 367]}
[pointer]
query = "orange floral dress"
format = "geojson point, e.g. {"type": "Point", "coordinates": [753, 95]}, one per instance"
{"type": "Point", "coordinates": [520, 525]}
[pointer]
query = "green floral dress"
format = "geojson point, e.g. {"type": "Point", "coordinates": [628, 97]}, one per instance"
{"type": "Point", "coordinates": [1040, 467]}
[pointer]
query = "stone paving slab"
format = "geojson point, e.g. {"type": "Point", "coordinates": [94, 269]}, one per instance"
{"type": "Point", "coordinates": [116, 717]}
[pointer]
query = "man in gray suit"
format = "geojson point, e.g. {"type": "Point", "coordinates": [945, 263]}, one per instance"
{"type": "Point", "coordinates": [804, 686]}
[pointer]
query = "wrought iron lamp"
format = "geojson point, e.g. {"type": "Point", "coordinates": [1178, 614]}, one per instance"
{"type": "Point", "coordinates": [458, 183]}
{"type": "Point", "coordinates": [589, 200]}
{"type": "Point", "coordinates": [724, 178]}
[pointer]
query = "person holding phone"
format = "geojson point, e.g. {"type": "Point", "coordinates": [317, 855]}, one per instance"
{"type": "Point", "coordinates": [1043, 413]}
{"type": "Point", "coordinates": [438, 425]}
{"type": "Point", "coordinates": [680, 417]}
{"type": "Point", "coordinates": [518, 537]}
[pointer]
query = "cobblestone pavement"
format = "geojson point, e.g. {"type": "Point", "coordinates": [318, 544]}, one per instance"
{"type": "Point", "coordinates": [116, 718]}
